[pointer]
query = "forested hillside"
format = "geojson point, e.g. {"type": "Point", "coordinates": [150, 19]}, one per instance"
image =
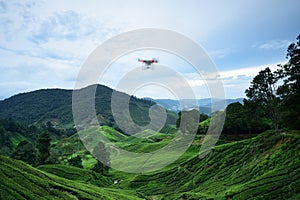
{"type": "Point", "coordinates": [55, 105]}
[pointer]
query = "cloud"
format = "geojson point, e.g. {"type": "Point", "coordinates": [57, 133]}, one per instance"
{"type": "Point", "coordinates": [61, 35]}
{"type": "Point", "coordinates": [69, 25]}
{"type": "Point", "coordinates": [273, 45]}
{"type": "Point", "coordinates": [52, 39]}
{"type": "Point", "coordinates": [247, 71]}
{"type": "Point", "coordinates": [235, 81]}
{"type": "Point", "coordinates": [219, 54]}
{"type": "Point", "coordinates": [41, 49]}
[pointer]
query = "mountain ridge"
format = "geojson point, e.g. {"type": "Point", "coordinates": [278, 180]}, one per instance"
{"type": "Point", "coordinates": [55, 105]}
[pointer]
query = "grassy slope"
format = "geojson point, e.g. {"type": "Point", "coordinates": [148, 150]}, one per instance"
{"type": "Point", "coordinates": [21, 181]}
{"type": "Point", "coordinates": [243, 169]}
{"type": "Point", "coordinates": [263, 167]}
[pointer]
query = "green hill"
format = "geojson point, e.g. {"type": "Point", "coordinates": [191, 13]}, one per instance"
{"type": "Point", "coordinates": [21, 181]}
{"type": "Point", "coordinates": [55, 105]}
{"type": "Point", "coordinates": [263, 167]}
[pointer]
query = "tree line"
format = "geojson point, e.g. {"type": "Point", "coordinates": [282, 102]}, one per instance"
{"type": "Point", "coordinates": [272, 99]}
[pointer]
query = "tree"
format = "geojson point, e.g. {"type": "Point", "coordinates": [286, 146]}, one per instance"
{"type": "Point", "coordinates": [235, 122]}
{"type": "Point", "coordinates": [256, 119]}
{"type": "Point", "coordinates": [6, 145]}
{"type": "Point", "coordinates": [262, 92]}
{"type": "Point", "coordinates": [290, 90]}
{"type": "Point", "coordinates": [76, 161]}
{"type": "Point", "coordinates": [102, 165]}
{"type": "Point", "coordinates": [43, 147]}
{"type": "Point", "coordinates": [203, 117]}
{"type": "Point", "coordinates": [26, 152]}
{"type": "Point", "coordinates": [188, 121]}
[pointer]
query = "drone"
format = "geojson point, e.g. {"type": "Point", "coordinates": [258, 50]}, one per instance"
{"type": "Point", "coordinates": [148, 63]}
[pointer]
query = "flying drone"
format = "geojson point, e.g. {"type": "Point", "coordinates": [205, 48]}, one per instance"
{"type": "Point", "coordinates": [148, 63]}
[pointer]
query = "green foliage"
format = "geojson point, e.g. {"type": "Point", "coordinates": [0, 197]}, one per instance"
{"type": "Point", "coordinates": [26, 152]}
{"type": "Point", "coordinates": [235, 122]}
{"type": "Point", "coordinates": [21, 181]}
{"type": "Point", "coordinates": [75, 161]}
{"type": "Point", "coordinates": [188, 121]}
{"type": "Point", "coordinates": [53, 107]}
{"type": "Point", "coordinates": [203, 126]}
{"type": "Point", "coordinates": [11, 134]}
{"type": "Point", "coordinates": [244, 119]}
{"type": "Point", "coordinates": [38, 105]}
{"type": "Point", "coordinates": [102, 165]}
{"type": "Point", "coordinates": [262, 92]}
{"type": "Point", "coordinates": [278, 103]}
{"type": "Point", "coordinates": [266, 166]}
{"type": "Point", "coordinates": [290, 90]}
{"type": "Point", "coordinates": [77, 174]}
{"type": "Point", "coordinates": [43, 147]}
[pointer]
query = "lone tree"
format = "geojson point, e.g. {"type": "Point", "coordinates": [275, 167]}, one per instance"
{"type": "Point", "coordinates": [262, 92]}
{"type": "Point", "coordinates": [102, 165]}
{"type": "Point", "coordinates": [43, 147]}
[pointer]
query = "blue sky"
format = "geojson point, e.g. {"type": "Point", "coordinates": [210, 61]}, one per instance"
{"type": "Point", "coordinates": [43, 44]}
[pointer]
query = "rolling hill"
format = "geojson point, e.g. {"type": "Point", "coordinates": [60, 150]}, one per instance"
{"type": "Point", "coordinates": [263, 167]}
{"type": "Point", "coordinates": [55, 105]}
{"type": "Point", "coordinates": [21, 181]}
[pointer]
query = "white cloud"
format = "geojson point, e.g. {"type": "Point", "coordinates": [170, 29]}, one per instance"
{"type": "Point", "coordinates": [273, 45]}
{"type": "Point", "coordinates": [235, 82]}
{"type": "Point", "coordinates": [219, 54]}
{"type": "Point", "coordinates": [247, 71]}
{"type": "Point", "coordinates": [44, 43]}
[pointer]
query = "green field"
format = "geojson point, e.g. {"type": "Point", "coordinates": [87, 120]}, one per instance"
{"type": "Point", "coordinates": [263, 167]}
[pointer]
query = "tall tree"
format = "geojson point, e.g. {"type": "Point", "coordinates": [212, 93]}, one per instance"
{"type": "Point", "coordinates": [262, 92]}
{"type": "Point", "coordinates": [255, 117]}
{"type": "Point", "coordinates": [102, 165]}
{"type": "Point", "coordinates": [43, 147]}
{"type": "Point", "coordinates": [290, 90]}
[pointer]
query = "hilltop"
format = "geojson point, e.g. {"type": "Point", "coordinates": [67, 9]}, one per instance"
{"type": "Point", "coordinates": [55, 105]}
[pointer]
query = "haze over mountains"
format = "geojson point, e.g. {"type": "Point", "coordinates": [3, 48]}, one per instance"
{"type": "Point", "coordinates": [204, 104]}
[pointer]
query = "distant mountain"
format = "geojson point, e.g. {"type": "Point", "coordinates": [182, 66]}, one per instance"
{"type": "Point", "coordinates": [55, 105]}
{"type": "Point", "coordinates": [204, 104]}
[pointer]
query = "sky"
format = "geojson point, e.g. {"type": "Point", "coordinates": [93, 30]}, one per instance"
{"type": "Point", "coordinates": [44, 44]}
